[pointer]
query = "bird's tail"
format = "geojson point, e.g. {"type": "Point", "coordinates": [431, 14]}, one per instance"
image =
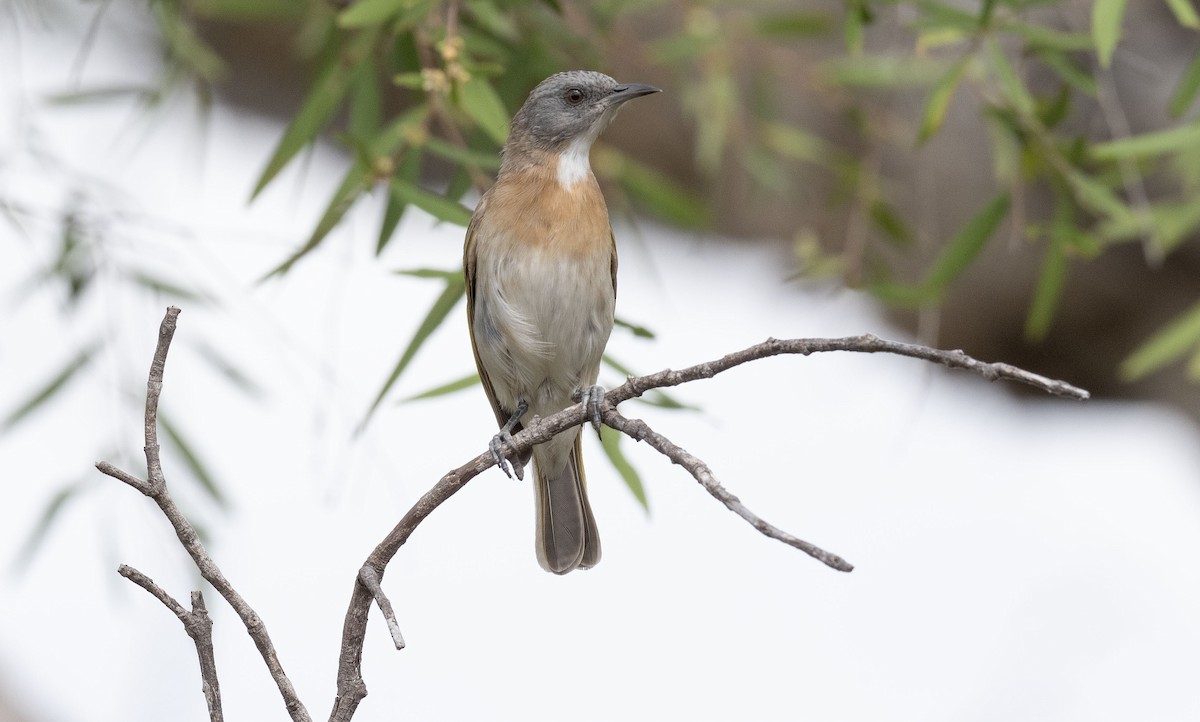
{"type": "Point", "coordinates": [566, 529]}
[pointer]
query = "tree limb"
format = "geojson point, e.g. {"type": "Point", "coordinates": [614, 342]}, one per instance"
{"type": "Point", "coordinates": [198, 626]}
{"type": "Point", "coordinates": [351, 688]}
{"type": "Point", "coordinates": [367, 587]}
{"type": "Point", "coordinates": [155, 487]}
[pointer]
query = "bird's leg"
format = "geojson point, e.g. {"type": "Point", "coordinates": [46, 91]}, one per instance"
{"type": "Point", "coordinates": [591, 397]}
{"type": "Point", "coordinates": [503, 438]}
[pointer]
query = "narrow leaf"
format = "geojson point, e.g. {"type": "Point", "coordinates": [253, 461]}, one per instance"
{"type": "Point", "coordinates": [356, 182]}
{"type": "Point", "coordinates": [450, 387]}
{"type": "Point", "coordinates": [314, 113]}
{"type": "Point", "coordinates": [639, 331]}
{"type": "Point", "coordinates": [611, 441]}
{"type": "Point", "coordinates": [1054, 272]}
{"type": "Point", "coordinates": [939, 101]}
{"type": "Point", "coordinates": [45, 521]}
{"type": "Point", "coordinates": [1169, 344]}
{"type": "Point", "coordinates": [1106, 27]}
{"type": "Point", "coordinates": [480, 101]}
{"type": "Point", "coordinates": [967, 244]}
{"type": "Point", "coordinates": [455, 289]}
{"type": "Point", "coordinates": [657, 191]}
{"type": "Point", "coordinates": [435, 205]}
{"type": "Point", "coordinates": [369, 12]}
{"type": "Point", "coordinates": [192, 461]}
{"type": "Point", "coordinates": [1189, 86]}
{"type": "Point", "coordinates": [1145, 145]}
{"type": "Point", "coordinates": [1185, 13]}
{"type": "Point", "coordinates": [466, 156]}
{"type": "Point", "coordinates": [51, 387]}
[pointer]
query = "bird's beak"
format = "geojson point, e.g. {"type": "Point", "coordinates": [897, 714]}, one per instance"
{"type": "Point", "coordinates": [629, 91]}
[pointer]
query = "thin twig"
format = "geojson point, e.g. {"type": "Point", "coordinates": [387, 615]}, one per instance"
{"type": "Point", "coordinates": [198, 626]}
{"type": "Point", "coordinates": [351, 689]}
{"type": "Point", "coordinates": [156, 488]}
{"type": "Point", "coordinates": [639, 431]}
{"type": "Point", "coordinates": [370, 580]}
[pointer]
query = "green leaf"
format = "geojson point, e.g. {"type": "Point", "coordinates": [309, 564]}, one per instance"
{"type": "Point", "coordinates": [440, 274]}
{"type": "Point", "coordinates": [795, 25]}
{"type": "Point", "coordinates": [369, 12]}
{"type": "Point", "coordinates": [409, 169]}
{"type": "Point", "coordinates": [1010, 83]}
{"type": "Point", "coordinates": [450, 387]}
{"type": "Point", "coordinates": [887, 72]}
{"type": "Point", "coordinates": [639, 331]}
{"type": "Point", "coordinates": [858, 15]}
{"type": "Point", "coordinates": [455, 289]}
{"type": "Point", "coordinates": [366, 106]}
{"type": "Point", "coordinates": [903, 295]}
{"type": "Point", "coordinates": [99, 95]}
{"type": "Point", "coordinates": [1189, 86]}
{"type": "Point", "coordinates": [967, 244]}
{"type": "Point", "coordinates": [1185, 13]}
{"type": "Point", "coordinates": [435, 205]}
{"type": "Point", "coordinates": [1171, 222]}
{"type": "Point", "coordinates": [1061, 64]}
{"type": "Point", "coordinates": [611, 441]}
{"type": "Point", "coordinates": [356, 182]}
{"type": "Point", "coordinates": [1040, 36]}
{"type": "Point", "coordinates": [1054, 272]}
{"type": "Point", "coordinates": [1159, 142]}
{"type": "Point", "coordinates": [192, 461]}
{"type": "Point", "coordinates": [658, 192]}
{"type": "Point", "coordinates": [465, 156]}
{"type": "Point", "coordinates": [322, 101]}
{"type": "Point", "coordinates": [165, 288]}
{"type": "Point", "coordinates": [242, 11]}
{"type": "Point", "coordinates": [797, 144]}
{"type": "Point", "coordinates": [231, 371]}
{"type": "Point", "coordinates": [48, 390]}
{"type": "Point", "coordinates": [1169, 344]}
{"type": "Point", "coordinates": [50, 513]}
{"type": "Point", "coordinates": [939, 101]}
{"type": "Point", "coordinates": [1106, 27]}
{"type": "Point", "coordinates": [479, 100]}
{"type": "Point", "coordinates": [1097, 197]}
{"type": "Point", "coordinates": [884, 217]}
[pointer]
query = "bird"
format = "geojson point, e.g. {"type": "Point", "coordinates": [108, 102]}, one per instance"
{"type": "Point", "coordinates": [540, 263]}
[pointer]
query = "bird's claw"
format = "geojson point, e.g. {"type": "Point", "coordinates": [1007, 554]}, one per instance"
{"type": "Point", "coordinates": [498, 448]}
{"type": "Point", "coordinates": [592, 399]}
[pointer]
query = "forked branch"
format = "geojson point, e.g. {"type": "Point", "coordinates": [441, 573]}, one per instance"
{"type": "Point", "coordinates": [367, 585]}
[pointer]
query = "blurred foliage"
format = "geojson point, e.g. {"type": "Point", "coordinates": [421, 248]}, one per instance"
{"type": "Point", "coordinates": [406, 86]}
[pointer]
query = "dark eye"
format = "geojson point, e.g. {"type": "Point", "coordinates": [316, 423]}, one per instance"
{"type": "Point", "coordinates": [574, 96]}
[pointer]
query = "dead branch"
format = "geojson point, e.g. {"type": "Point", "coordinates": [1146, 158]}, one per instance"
{"type": "Point", "coordinates": [198, 626]}
{"type": "Point", "coordinates": [155, 487]}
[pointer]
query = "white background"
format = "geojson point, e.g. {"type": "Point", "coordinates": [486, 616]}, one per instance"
{"type": "Point", "coordinates": [1017, 558]}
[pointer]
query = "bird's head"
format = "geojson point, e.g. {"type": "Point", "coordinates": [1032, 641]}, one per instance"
{"type": "Point", "coordinates": [570, 108]}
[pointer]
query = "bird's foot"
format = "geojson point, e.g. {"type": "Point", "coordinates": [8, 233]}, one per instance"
{"type": "Point", "coordinates": [499, 446]}
{"type": "Point", "coordinates": [592, 399]}
{"type": "Point", "coordinates": [502, 442]}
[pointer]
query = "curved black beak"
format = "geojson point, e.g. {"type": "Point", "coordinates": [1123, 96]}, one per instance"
{"type": "Point", "coordinates": [629, 91]}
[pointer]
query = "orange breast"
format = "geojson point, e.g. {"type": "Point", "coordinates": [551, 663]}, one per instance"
{"type": "Point", "coordinates": [533, 209]}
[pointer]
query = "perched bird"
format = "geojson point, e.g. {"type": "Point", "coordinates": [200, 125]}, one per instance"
{"type": "Point", "coordinates": [541, 272]}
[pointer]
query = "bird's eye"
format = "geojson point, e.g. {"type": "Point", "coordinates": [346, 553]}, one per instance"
{"type": "Point", "coordinates": [574, 96]}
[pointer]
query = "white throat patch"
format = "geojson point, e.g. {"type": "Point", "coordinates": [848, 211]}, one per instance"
{"type": "Point", "coordinates": [573, 163]}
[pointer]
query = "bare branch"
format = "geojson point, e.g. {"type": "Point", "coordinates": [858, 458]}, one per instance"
{"type": "Point", "coordinates": [351, 689]}
{"type": "Point", "coordinates": [156, 488]}
{"type": "Point", "coordinates": [370, 580]}
{"type": "Point", "coordinates": [198, 626]}
{"type": "Point", "coordinates": [638, 430]}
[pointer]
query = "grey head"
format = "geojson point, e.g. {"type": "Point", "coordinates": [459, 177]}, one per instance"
{"type": "Point", "coordinates": [570, 106]}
